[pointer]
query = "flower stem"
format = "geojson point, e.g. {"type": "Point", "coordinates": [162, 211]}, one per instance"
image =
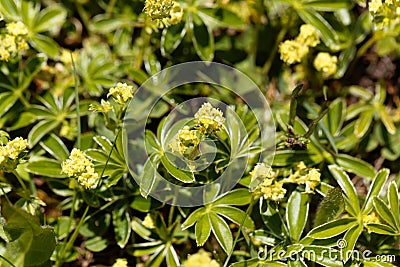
{"type": "Point", "coordinates": [248, 211]}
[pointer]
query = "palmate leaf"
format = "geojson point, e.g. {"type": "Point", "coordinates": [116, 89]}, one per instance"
{"type": "Point", "coordinates": [331, 207]}
{"type": "Point", "coordinates": [26, 238]}
{"type": "Point", "coordinates": [209, 219]}
{"type": "Point", "coordinates": [297, 214]}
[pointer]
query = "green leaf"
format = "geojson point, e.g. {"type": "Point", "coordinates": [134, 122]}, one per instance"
{"type": "Point", "coordinates": [202, 38]}
{"type": "Point", "coordinates": [46, 168]}
{"type": "Point", "coordinates": [45, 44]}
{"type": "Point", "coordinates": [7, 101]}
{"type": "Point", "coordinates": [381, 229]}
{"type": "Point", "coordinates": [336, 116]}
{"type": "Point", "coordinates": [26, 238]}
{"type": "Point", "coordinates": [363, 122]}
{"type": "Point", "coordinates": [351, 238]}
{"type": "Point", "coordinates": [326, 5]}
{"type": "Point", "coordinates": [235, 215]}
{"type": "Point", "coordinates": [332, 228]}
{"type": "Point", "coordinates": [23, 120]}
{"type": "Point", "coordinates": [183, 176]}
{"type": "Point", "coordinates": [347, 186]}
{"type": "Point", "coordinates": [331, 207]}
{"type": "Point", "coordinates": [171, 38]}
{"type": "Point", "coordinates": [172, 257]}
{"type": "Point", "coordinates": [202, 230]}
{"type": "Point", "coordinates": [148, 176]}
{"type": "Point", "coordinates": [96, 244]}
{"type": "Point", "coordinates": [40, 130]}
{"type": "Point", "coordinates": [222, 232]}
{"type": "Point", "coordinates": [355, 165]}
{"type": "Point", "coordinates": [297, 214]}
{"type": "Point", "coordinates": [393, 197]}
{"type": "Point", "coordinates": [238, 197]}
{"type": "Point", "coordinates": [193, 218]}
{"type": "Point", "coordinates": [8, 9]}
{"type": "Point", "coordinates": [122, 226]}
{"type": "Point", "coordinates": [328, 34]}
{"type": "Point", "coordinates": [52, 16]}
{"type": "Point", "coordinates": [384, 212]}
{"type": "Point", "coordinates": [55, 146]}
{"type": "Point", "coordinates": [375, 189]}
{"type": "Point", "coordinates": [256, 262]}
{"type": "Point", "coordinates": [314, 253]}
{"type": "Point", "coordinates": [221, 16]}
{"type": "Point", "coordinates": [387, 120]}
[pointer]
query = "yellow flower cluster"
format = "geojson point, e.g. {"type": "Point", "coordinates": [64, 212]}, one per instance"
{"type": "Point", "coordinates": [121, 93]}
{"type": "Point", "coordinates": [65, 56]}
{"type": "Point", "coordinates": [13, 41]}
{"type": "Point", "coordinates": [209, 119]}
{"type": "Point", "coordinates": [310, 177]}
{"type": "Point", "coordinates": [186, 141]}
{"type": "Point", "coordinates": [164, 12]}
{"type": "Point", "coordinates": [148, 222]}
{"type": "Point", "coordinates": [200, 259]}
{"type": "Point", "coordinates": [370, 218]}
{"type": "Point", "coordinates": [17, 28]}
{"type": "Point", "coordinates": [386, 14]}
{"type": "Point", "coordinates": [10, 152]}
{"type": "Point", "coordinates": [308, 35]}
{"type": "Point", "coordinates": [80, 167]}
{"type": "Point", "coordinates": [270, 188]}
{"type": "Point", "coordinates": [104, 107]}
{"type": "Point", "coordinates": [120, 263]}
{"type": "Point", "coordinates": [326, 64]}
{"type": "Point", "coordinates": [293, 51]}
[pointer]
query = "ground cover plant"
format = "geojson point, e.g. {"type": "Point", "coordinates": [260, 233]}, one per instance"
{"type": "Point", "coordinates": [199, 133]}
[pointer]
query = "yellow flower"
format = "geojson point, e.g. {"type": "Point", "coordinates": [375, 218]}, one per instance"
{"type": "Point", "coordinates": [312, 180]}
{"type": "Point", "coordinates": [80, 167]}
{"type": "Point", "coordinates": [209, 119]}
{"type": "Point", "coordinates": [272, 191]}
{"type": "Point", "coordinates": [176, 14]}
{"type": "Point", "coordinates": [17, 28]}
{"type": "Point", "coordinates": [200, 259]}
{"type": "Point", "coordinates": [148, 222]}
{"type": "Point", "coordinates": [65, 56]}
{"type": "Point", "coordinates": [308, 35]}
{"type": "Point", "coordinates": [158, 9]}
{"type": "Point", "coordinates": [121, 93]}
{"type": "Point", "coordinates": [10, 152]}
{"type": "Point", "coordinates": [292, 51]}
{"type": "Point", "coordinates": [4, 54]}
{"type": "Point", "coordinates": [370, 218]}
{"type": "Point", "coordinates": [120, 263]}
{"type": "Point", "coordinates": [185, 140]}
{"type": "Point", "coordinates": [374, 5]}
{"type": "Point", "coordinates": [261, 170]}
{"type": "Point", "coordinates": [104, 107]}
{"type": "Point", "coordinates": [89, 178]}
{"type": "Point", "coordinates": [326, 64]}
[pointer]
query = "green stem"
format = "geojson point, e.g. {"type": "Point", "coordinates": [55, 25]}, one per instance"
{"type": "Point", "coordinates": [249, 209]}
{"type": "Point", "coordinates": [72, 239]}
{"type": "Point", "coordinates": [6, 260]}
{"type": "Point", "coordinates": [268, 64]}
{"type": "Point", "coordinates": [5, 195]}
{"type": "Point", "coordinates": [110, 6]}
{"type": "Point", "coordinates": [293, 104]}
{"type": "Point", "coordinates": [20, 180]}
{"type": "Point", "coordinates": [78, 113]}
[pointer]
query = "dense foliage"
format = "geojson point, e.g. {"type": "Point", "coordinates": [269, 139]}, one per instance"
{"type": "Point", "coordinates": [88, 177]}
